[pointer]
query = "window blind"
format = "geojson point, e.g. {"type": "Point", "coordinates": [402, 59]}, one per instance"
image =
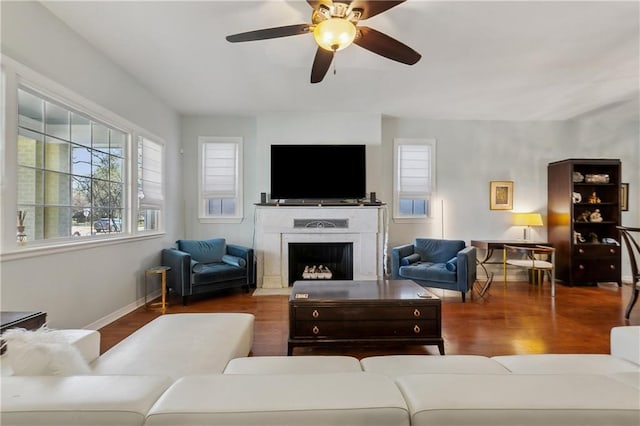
{"type": "Point", "coordinates": [414, 169]}
{"type": "Point", "coordinates": [150, 172]}
{"type": "Point", "coordinates": [220, 165]}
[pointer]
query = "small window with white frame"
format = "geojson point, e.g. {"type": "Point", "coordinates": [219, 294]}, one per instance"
{"type": "Point", "coordinates": [220, 179]}
{"type": "Point", "coordinates": [414, 178]}
{"type": "Point", "coordinates": [150, 184]}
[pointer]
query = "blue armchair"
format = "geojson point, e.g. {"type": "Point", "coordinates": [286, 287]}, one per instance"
{"type": "Point", "coordinates": [446, 264]}
{"type": "Point", "coordinates": [202, 266]}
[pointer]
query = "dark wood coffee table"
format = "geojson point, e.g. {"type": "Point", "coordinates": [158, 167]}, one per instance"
{"type": "Point", "coordinates": [379, 312]}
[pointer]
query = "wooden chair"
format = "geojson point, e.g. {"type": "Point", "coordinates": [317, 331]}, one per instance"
{"type": "Point", "coordinates": [538, 258]}
{"type": "Point", "coordinates": [633, 248]}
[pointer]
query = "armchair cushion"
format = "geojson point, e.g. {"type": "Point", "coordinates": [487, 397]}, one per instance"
{"type": "Point", "coordinates": [435, 272]}
{"type": "Point", "coordinates": [234, 261]}
{"type": "Point", "coordinates": [452, 264]}
{"type": "Point", "coordinates": [204, 251]}
{"type": "Point", "coordinates": [207, 273]}
{"type": "Point", "coordinates": [408, 260]}
{"type": "Point", "coordinates": [437, 251]}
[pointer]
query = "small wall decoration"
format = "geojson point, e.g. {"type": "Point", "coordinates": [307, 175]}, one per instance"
{"type": "Point", "coordinates": [501, 195]}
{"type": "Point", "coordinates": [624, 197]}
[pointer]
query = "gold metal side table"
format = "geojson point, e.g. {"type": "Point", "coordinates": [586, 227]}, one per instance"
{"type": "Point", "coordinates": [162, 271]}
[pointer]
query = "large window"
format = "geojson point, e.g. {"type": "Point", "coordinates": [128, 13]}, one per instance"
{"type": "Point", "coordinates": [71, 171]}
{"type": "Point", "coordinates": [220, 181]}
{"type": "Point", "coordinates": [414, 178]}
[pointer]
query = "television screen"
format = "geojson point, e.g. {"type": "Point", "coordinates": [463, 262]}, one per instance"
{"type": "Point", "coordinates": [318, 172]}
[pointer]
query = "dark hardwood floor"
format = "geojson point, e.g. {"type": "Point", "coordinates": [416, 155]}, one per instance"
{"type": "Point", "coordinates": [521, 318]}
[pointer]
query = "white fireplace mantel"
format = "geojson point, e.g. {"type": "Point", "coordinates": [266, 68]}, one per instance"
{"type": "Point", "coordinates": [277, 226]}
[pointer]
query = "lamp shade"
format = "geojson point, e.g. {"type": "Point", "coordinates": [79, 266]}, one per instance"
{"type": "Point", "coordinates": [527, 219]}
{"type": "Point", "coordinates": [334, 34]}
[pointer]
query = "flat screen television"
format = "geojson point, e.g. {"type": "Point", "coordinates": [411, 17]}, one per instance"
{"type": "Point", "coordinates": [318, 172]}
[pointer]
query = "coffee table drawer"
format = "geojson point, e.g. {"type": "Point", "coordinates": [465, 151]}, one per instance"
{"type": "Point", "coordinates": [366, 312]}
{"type": "Point", "coordinates": [353, 330]}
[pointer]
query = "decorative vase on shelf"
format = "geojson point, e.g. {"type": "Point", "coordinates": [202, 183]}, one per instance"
{"type": "Point", "coordinates": [21, 236]}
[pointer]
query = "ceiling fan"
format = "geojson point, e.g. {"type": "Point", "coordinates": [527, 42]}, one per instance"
{"type": "Point", "coordinates": [334, 25]}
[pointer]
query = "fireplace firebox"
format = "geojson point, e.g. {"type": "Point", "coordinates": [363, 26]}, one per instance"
{"type": "Point", "coordinates": [320, 261]}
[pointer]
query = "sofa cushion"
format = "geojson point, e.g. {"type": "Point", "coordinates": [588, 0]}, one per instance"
{"type": "Point", "coordinates": [437, 251]}
{"type": "Point", "coordinates": [625, 343]}
{"type": "Point", "coordinates": [565, 363]}
{"type": "Point", "coordinates": [401, 365]}
{"type": "Point", "coordinates": [284, 399]}
{"type": "Point", "coordinates": [207, 273]}
{"type": "Point", "coordinates": [288, 364]}
{"type": "Point", "coordinates": [436, 272]}
{"type": "Point", "coordinates": [205, 251]}
{"type": "Point", "coordinates": [234, 261]}
{"type": "Point", "coordinates": [79, 400]}
{"type": "Point", "coordinates": [519, 399]}
{"type": "Point", "coordinates": [408, 260]}
{"type": "Point", "coordinates": [199, 344]}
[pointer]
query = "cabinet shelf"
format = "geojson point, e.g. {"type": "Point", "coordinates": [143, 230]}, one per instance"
{"type": "Point", "coordinates": [605, 203]}
{"type": "Point", "coordinates": [604, 222]}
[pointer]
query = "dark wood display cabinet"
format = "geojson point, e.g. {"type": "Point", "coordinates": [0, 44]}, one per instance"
{"type": "Point", "coordinates": [583, 212]}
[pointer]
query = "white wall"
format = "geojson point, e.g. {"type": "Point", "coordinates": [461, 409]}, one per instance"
{"type": "Point", "coordinates": [470, 154]}
{"type": "Point", "coordinates": [85, 286]}
{"type": "Point", "coordinates": [244, 127]}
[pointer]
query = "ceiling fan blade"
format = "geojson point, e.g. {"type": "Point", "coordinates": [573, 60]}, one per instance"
{"type": "Point", "coordinates": [373, 7]}
{"type": "Point", "coordinates": [383, 45]}
{"type": "Point", "coordinates": [321, 64]}
{"type": "Point", "coordinates": [315, 3]}
{"type": "Point", "coordinates": [289, 30]}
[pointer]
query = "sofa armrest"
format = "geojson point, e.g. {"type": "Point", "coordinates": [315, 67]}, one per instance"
{"type": "Point", "coordinates": [179, 277]}
{"type": "Point", "coordinates": [625, 343]}
{"type": "Point", "coordinates": [245, 253]}
{"type": "Point", "coordinates": [398, 253]}
{"type": "Point", "coordinates": [467, 267]}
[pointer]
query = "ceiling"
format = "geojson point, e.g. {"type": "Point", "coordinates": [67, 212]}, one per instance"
{"type": "Point", "coordinates": [539, 60]}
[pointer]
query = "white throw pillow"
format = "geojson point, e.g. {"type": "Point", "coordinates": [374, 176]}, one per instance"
{"type": "Point", "coordinates": [42, 352]}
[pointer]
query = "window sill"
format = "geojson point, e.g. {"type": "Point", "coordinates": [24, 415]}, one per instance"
{"type": "Point", "coordinates": [220, 219]}
{"type": "Point", "coordinates": [413, 219]}
{"type": "Point", "coordinates": [40, 249]}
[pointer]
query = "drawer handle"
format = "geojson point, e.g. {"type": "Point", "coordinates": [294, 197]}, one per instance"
{"type": "Point", "coordinates": [581, 251]}
{"type": "Point", "coordinates": [612, 251]}
{"type": "Point", "coordinates": [416, 329]}
{"type": "Point", "coordinates": [581, 267]}
{"type": "Point", "coordinates": [315, 329]}
{"type": "Point", "coordinates": [315, 313]}
{"type": "Point", "coordinates": [416, 312]}
{"type": "Point", "coordinates": [612, 267]}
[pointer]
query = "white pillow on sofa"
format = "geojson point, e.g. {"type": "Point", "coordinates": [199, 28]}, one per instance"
{"type": "Point", "coordinates": [42, 352]}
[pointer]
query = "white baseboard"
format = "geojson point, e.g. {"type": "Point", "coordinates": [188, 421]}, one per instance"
{"type": "Point", "coordinates": [108, 319]}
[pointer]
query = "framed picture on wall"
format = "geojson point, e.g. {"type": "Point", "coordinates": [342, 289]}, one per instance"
{"type": "Point", "coordinates": [624, 197]}
{"type": "Point", "coordinates": [501, 195]}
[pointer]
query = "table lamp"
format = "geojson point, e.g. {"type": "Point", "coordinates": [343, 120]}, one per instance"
{"type": "Point", "coordinates": [527, 220]}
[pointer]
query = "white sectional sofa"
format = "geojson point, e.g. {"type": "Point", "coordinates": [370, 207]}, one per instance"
{"type": "Point", "coordinates": [193, 369]}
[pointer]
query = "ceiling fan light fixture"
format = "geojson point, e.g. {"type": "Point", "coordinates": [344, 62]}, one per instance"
{"type": "Point", "coordinates": [334, 34]}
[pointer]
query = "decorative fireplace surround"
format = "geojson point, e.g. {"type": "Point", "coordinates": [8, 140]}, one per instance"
{"type": "Point", "coordinates": [277, 226]}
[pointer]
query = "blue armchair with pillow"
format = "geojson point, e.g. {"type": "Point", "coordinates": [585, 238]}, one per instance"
{"type": "Point", "coordinates": [446, 264]}
{"type": "Point", "coordinates": [203, 266]}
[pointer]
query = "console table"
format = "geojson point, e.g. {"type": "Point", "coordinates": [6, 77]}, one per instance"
{"type": "Point", "coordinates": [488, 246]}
{"type": "Point", "coordinates": [27, 320]}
